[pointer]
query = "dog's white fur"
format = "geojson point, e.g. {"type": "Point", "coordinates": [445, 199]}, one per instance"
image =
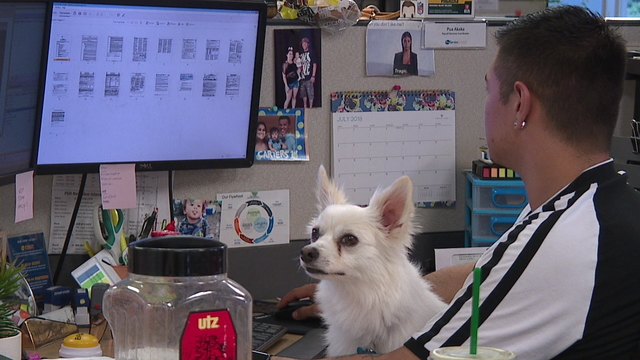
{"type": "Point", "coordinates": [370, 295]}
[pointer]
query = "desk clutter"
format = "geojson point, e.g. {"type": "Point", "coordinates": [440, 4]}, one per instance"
{"type": "Point", "coordinates": [178, 280]}
{"type": "Point", "coordinates": [491, 207]}
{"type": "Point", "coordinates": [486, 170]}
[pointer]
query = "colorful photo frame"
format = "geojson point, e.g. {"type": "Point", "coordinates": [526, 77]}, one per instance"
{"type": "Point", "coordinates": [281, 135]}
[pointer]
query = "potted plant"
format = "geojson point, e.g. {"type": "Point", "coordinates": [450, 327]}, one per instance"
{"type": "Point", "coordinates": [11, 280]}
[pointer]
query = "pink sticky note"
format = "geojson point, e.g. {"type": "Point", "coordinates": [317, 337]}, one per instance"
{"type": "Point", "coordinates": [118, 186]}
{"type": "Point", "coordinates": [24, 196]}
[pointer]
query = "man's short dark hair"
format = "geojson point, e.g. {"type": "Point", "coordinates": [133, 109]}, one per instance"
{"type": "Point", "coordinates": [285, 117]}
{"type": "Point", "coordinates": [574, 63]}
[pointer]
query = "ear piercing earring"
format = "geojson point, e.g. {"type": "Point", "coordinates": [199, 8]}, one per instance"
{"type": "Point", "coordinates": [515, 124]}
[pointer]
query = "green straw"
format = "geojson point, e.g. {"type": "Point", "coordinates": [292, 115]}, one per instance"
{"type": "Point", "coordinates": [475, 310]}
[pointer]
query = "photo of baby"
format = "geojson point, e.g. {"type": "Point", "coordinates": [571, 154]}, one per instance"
{"type": "Point", "coordinates": [197, 217]}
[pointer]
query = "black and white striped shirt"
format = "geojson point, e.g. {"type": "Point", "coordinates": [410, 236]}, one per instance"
{"type": "Point", "coordinates": [562, 283]}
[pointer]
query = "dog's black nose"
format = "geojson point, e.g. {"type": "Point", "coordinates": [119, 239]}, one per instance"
{"type": "Point", "coordinates": [309, 254]}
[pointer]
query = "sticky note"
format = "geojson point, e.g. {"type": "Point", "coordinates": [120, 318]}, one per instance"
{"type": "Point", "coordinates": [24, 196]}
{"type": "Point", "coordinates": [118, 186]}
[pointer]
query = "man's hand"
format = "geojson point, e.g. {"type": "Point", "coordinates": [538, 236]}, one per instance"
{"type": "Point", "coordinates": [302, 292]}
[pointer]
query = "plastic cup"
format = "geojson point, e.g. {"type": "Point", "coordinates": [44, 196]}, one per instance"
{"type": "Point", "coordinates": [462, 352]}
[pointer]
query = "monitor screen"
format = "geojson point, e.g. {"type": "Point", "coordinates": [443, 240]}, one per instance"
{"type": "Point", "coordinates": [21, 34]}
{"type": "Point", "coordinates": [164, 84]}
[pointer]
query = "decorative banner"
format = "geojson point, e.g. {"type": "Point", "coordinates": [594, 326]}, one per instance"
{"type": "Point", "coordinates": [255, 218]}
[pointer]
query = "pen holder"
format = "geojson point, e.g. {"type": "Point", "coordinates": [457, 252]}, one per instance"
{"type": "Point", "coordinates": [121, 270]}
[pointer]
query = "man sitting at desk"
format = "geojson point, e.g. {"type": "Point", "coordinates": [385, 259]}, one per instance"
{"type": "Point", "coordinates": [563, 282]}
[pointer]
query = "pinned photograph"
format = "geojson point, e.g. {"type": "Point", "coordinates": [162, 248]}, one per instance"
{"type": "Point", "coordinates": [280, 135]}
{"type": "Point", "coordinates": [393, 49]}
{"type": "Point", "coordinates": [197, 217]}
{"type": "Point", "coordinates": [298, 68]}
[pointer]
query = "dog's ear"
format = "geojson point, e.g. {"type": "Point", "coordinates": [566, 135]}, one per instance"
{"type": "Point", "coordinates": [395, 204]}
{"type": "Point", "coordinates": [328, 193]}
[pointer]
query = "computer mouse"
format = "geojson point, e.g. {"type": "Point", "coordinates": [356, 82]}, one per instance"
{"type": "Point", "coordinates": [286, 313]}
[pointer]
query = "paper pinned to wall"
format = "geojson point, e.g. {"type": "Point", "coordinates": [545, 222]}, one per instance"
{"type": "Point", "coordinates": [380, 136]}
{"type": "Point", "coordinates": [254, 218]}
{"type": "Point", "coordinates": [152, 190]}
{"type": "Point", "coordinates": [118, 186]}
{"type": "Point", "coordinates": [24, 196]}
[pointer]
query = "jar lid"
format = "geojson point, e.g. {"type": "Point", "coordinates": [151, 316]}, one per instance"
{"type": "Point", "coordinates": [179, 255]}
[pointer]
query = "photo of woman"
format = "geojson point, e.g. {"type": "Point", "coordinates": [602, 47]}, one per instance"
{"type": "Point", "coordinates": [406, 61]}
{"type": "Point", "coordinates": [290, 77]}
{"type": "Point", "coordinates": [261, 137]}
{"type": "Point", "coordinates": [394, 48]}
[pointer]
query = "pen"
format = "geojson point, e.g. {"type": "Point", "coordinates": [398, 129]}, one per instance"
{"type": "Point", "coordinates": [147, 224]}
{"type": "Point", "coordinates": [89, 249]}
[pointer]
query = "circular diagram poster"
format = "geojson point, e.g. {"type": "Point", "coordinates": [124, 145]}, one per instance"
{"type": "Point", "coordinates": [254, 218]}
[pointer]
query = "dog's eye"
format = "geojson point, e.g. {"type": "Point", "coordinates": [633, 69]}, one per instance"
{"type": "Point", "coordinates": [315, 233]}
{"type": "Point", "coordinates": [349, 240]}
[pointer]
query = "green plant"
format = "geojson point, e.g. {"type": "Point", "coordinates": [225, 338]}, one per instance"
{"type": "Point", "coordinates": [11, 277]}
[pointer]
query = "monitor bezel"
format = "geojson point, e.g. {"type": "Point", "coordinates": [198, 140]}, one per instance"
{"type": "Point", "coordinates": [186, 164]}
{"type": "Point", "coordinates": [9, 177]}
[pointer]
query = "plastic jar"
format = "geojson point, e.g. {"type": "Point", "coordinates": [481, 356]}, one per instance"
{"type": "Point", "coordinates": [178, 303]}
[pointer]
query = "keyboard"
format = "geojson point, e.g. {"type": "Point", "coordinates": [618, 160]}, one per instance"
{"type": "Point", "coordinates": [310, 346]}
{"type": "Point", "coordinates": [265, 334]}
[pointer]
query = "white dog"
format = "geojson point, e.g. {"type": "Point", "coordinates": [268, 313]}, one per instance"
{"type": "Point", "coordinates": [370, 295]}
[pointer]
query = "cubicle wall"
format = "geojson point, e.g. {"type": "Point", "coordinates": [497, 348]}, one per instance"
{"type": "Point", "coordinates": [343, 69]}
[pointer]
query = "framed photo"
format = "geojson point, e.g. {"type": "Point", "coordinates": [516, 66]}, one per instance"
{"type": "Point", "coordinates": [281, 135]}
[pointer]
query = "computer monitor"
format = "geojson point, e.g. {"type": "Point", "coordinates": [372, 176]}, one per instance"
{"type": "Point", "coordinates": [164, 84]}
{"type": "Point", "coordinates": [21, 34]}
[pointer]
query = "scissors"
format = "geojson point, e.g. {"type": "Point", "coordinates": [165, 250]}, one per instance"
{"type": "Point", "coordinates": [108, 227]}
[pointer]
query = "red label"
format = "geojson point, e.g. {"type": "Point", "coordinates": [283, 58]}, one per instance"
{"type": "Point", "coordinates": [209, 335]}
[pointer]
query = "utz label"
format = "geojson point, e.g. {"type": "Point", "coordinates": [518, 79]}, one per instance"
{"type": "Point", "coordinates": [209, 335]}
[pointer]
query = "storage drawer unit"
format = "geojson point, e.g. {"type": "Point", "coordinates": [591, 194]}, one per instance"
{"type": "Point", "coordinates": [491, 207]}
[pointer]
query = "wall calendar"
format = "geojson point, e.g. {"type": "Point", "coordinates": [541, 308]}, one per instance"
{"type": "Point", "coordinates": [379, 136]}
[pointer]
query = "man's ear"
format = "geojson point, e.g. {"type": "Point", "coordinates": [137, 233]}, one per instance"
{"type": "Point", "coordinates": [523, 106]}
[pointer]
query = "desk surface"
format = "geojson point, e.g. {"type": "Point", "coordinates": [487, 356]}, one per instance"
{"type": "Point", "coordinates": [106, 342]}
{"type": "Point", "coordinates": [51, 350]}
